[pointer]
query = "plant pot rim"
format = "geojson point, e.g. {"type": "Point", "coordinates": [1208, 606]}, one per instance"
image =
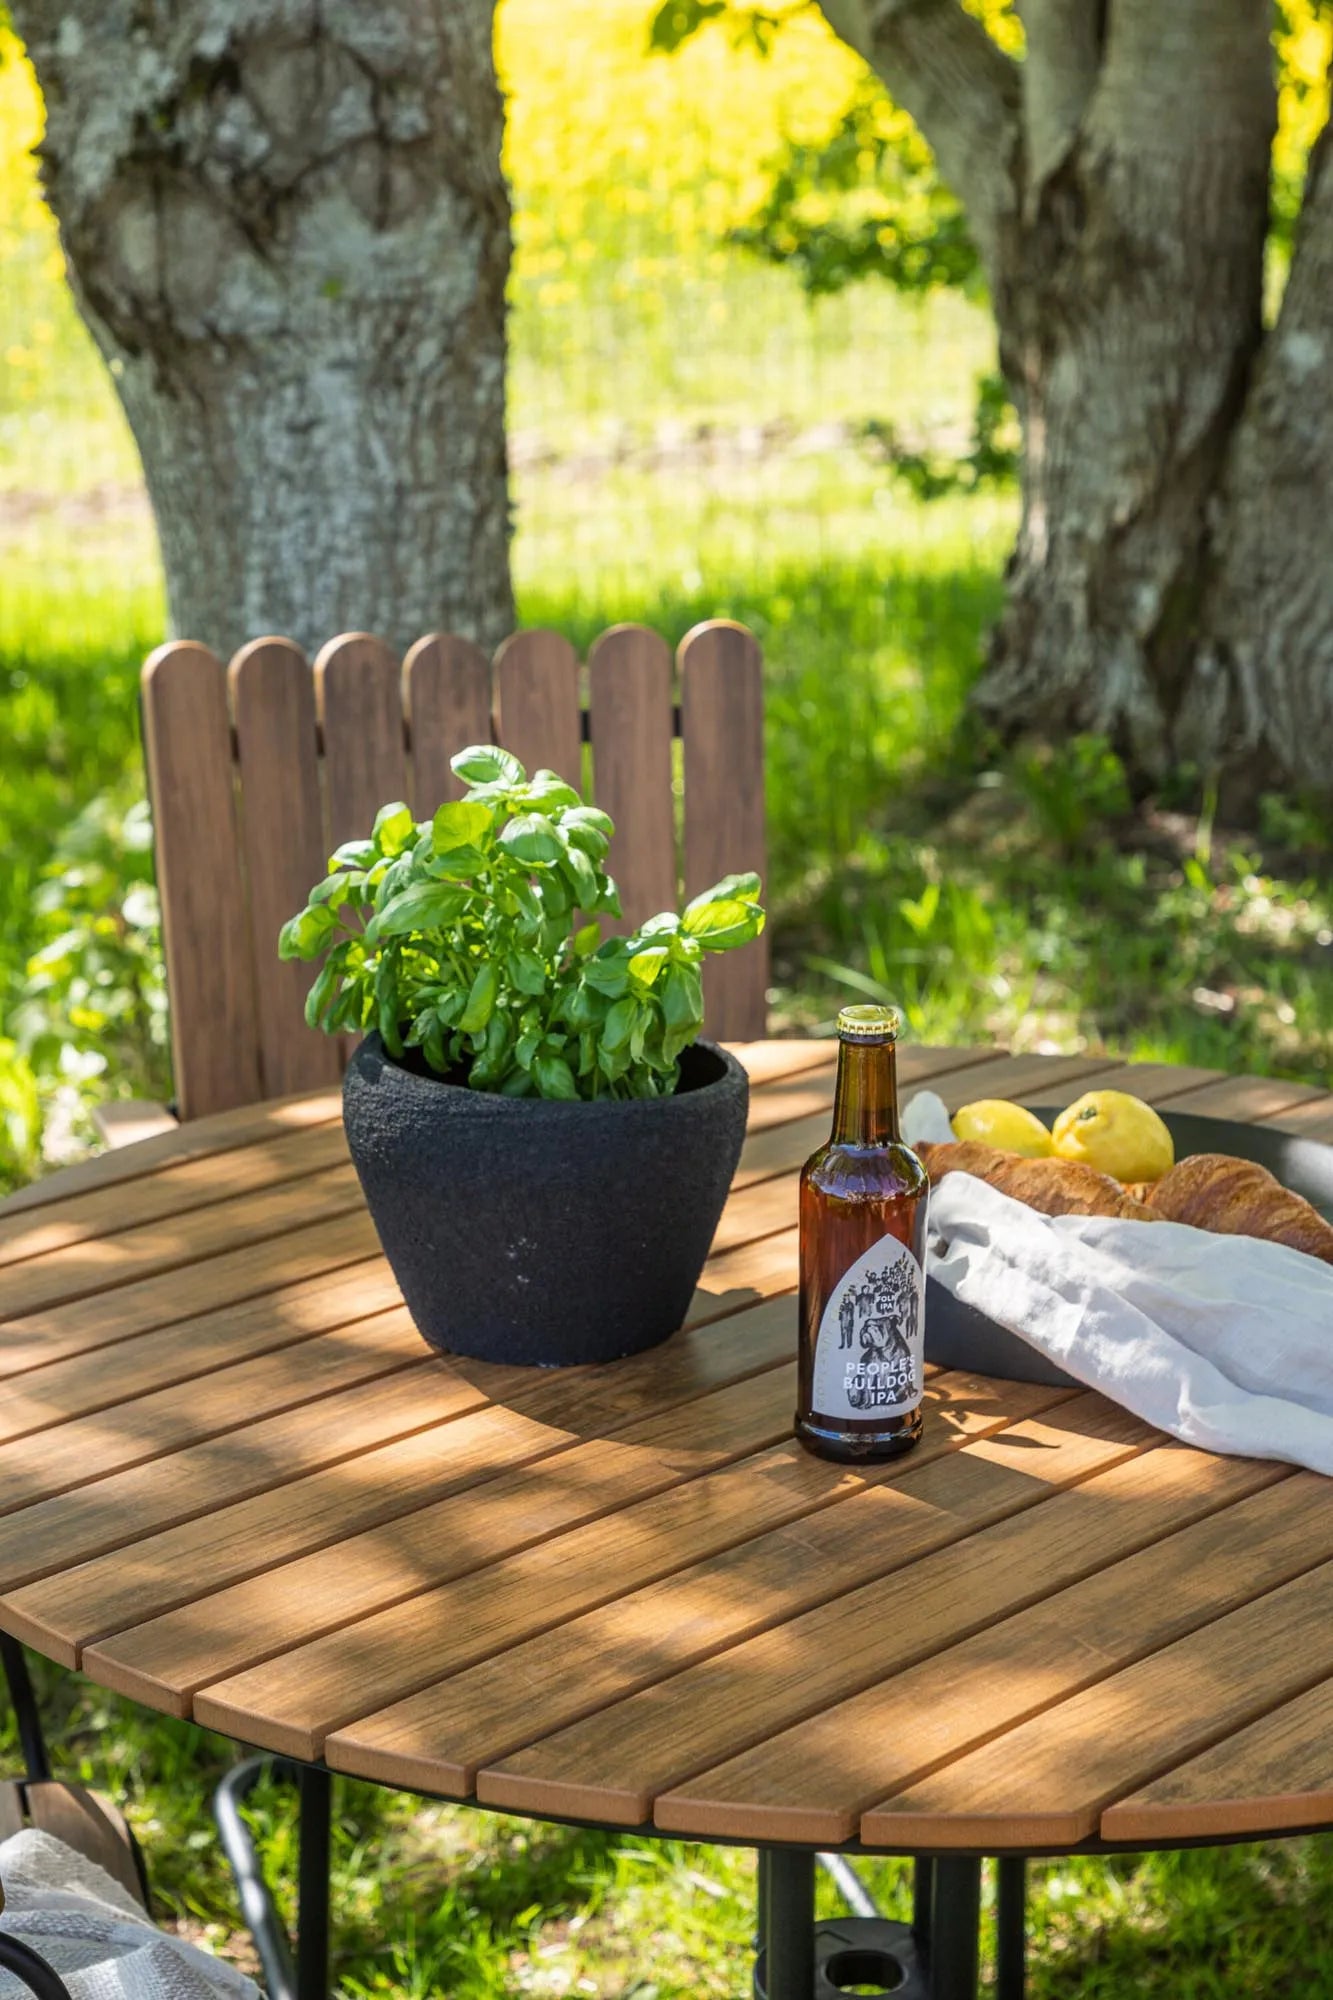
{"type": "Point", "coordinates": [489, 1104]}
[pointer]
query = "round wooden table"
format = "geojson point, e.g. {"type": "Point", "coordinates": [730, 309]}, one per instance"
{"type": "Point", "coordinates": [235, 1486]}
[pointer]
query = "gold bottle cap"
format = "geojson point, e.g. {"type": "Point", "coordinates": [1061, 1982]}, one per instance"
{"type": "Point", "coordinates": [869, 1024]}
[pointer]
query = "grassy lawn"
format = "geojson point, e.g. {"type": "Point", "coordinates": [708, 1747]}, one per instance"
{"type": "Point", "coordinates": [687, 441]}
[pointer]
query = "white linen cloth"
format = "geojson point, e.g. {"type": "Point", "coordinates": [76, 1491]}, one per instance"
{"type": "Point", "coordinates": [1224, 1341]}
{"type": "Point", "coordinates": [93, 1933]}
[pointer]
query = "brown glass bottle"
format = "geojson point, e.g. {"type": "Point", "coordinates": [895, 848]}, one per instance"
{"type": "Point", "coordinates": [863, 1229]}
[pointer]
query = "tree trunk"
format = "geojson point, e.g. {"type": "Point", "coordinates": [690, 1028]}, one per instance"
{"type": "Point", "coordinates": [1262, 692]}
{"type": "Point", "coordinates": [1170, 586]}
{"type": "Point", "coordinates": [287, 227]}
{"type": "Point", "coordinates": [1130, 312]}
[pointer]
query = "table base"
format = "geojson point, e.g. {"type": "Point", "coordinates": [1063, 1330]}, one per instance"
{"type": "Point", "coordinates": [934, 1957]}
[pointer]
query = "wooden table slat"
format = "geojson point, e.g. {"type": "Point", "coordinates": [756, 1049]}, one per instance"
{"type": "Point", "coordinates": [109, 1212]}
{"type": "Point", "coordinates": [1048, 1779]}
{"type": "Point", "coordinates": [391, 1473]}
{"type": "Point", "coordinates": [382, 1567]}
{"type": "Point", "coordinates": [301, 1695]}
{"type": "Point", "coordinates": [238, 1486]}
{"type": "Point", "coordinates": [639, 1400]}
{"type": "Point", "coordinates": [232, 1277]}
{"type": "Point", "coordinates": [1014, 1669]}
{"type": "Point", "coordinates": [66, 1456]}
{"type": "Point", "coordinates": [104, 1265]}
{"type": "Point", "coordinates": [1015, 1443]}
{"type": "Point", "coordinates": [202, 1138]}
{"type": "Point", "coordinates": [194, 1349]}
{"type": "Point", "coordinates": [644, 1747]}
{"type": "Point", "coordinates": [1271, 1776]}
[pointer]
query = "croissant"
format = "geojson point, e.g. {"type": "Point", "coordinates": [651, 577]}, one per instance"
{"type": "Point", "coordinates": [1240, 1198]}
{"type": "Point", "coordinates": [1053, 1187]}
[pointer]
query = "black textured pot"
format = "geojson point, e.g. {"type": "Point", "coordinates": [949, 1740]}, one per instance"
{"type": "Point", "coordinates": [521, 1229]}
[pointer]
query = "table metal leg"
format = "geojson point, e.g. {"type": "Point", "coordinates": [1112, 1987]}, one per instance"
{"type": "Point", "coordinates": [955, 1919]}
{"type": "Point", "coordinates": [789, 1934]}
{"type": "Point", "coordinates": [760, 1899]}
{"type": "Point", "coordinates": [312, 1915]}
{"type": "Point", "coordinates": [923, 1893]}
{"type": "Point", "coordinates": [1010, 1927]}
{"type": "Point", "coordinates": [36, 1763]}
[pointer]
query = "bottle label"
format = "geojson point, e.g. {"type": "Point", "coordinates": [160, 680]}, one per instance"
{"type": "Point", "coordinates": [869, 1355]}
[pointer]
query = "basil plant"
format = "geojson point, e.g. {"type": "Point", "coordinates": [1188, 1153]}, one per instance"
{"type": "Point", "coordinates": [473, 937]}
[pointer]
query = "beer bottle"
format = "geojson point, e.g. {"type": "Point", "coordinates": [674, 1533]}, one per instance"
{"type": "Point", "coordinates": [863, 1227]}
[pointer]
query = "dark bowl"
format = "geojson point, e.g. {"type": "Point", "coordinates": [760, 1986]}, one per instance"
{"type": "Point", "coordinates": [534, 1231]}
{"type": "Point", "coordinates": [958, 1336]}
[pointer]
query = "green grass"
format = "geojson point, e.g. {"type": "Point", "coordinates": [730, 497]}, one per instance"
{"type": "Point", "coordinates": [685, 443]}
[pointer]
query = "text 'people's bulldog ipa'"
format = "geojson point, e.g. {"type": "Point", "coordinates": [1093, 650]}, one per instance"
{"type": "Point", "coordinates": [863, 1233]}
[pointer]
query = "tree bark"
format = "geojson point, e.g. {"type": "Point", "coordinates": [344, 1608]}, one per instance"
{"type": "Point", "coordinates": [1129, 316]}
{"type": "Point", "coordinates": [1169, 586]}
{"type": "Point", "coordinates": [288, 230]}
{"type": "Point", "coordinates": [1262, 691]}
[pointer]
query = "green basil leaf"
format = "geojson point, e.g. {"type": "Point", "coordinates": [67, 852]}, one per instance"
{"type": "Point", "coordinates": [517, 1084]}
{"type": "Point", "coordinates": [486, 764]}
{"type": "Point", "coordinates": [612, 1062]}
{"type": "Point", "coordinates": [426, 906]}
{"type": "Point", "coordinates": [353, 854]}
{"type": "Point", "coordinates": [579, 871]}
{"type": "Point", "coordinates": [529, 902]}
{"type": "Point", "coordinates": [676, 1039]}
{"type": "Point", "coordinates": [459, 865]}
{"type": "Point", "coordinates": [665, 925]}
{"type": "Point", "coordinates": [722, 925]}
{"type": "Point", "coordinates": [459, 823]}
{"type": "Point", "coordinates": [550, 792]}
{"type": "Point", "coordinates": [531, 840]}
{"type": "Point", "coordinates": [609, 900]}
{"type": "Point", "coordinates": [587, 940]}
{"type": "Point", "coordinates": [480, 1000]}
{"type": "Point", "coordinates": [399, 875]}
{"type": "Point", "coordinates": [337, 889]}
{"type": "Point", "coordinates": [619, 1023]}
{"type": "Point", "coordinates": [306, 934]}
{"type": "Point", "coordinates": [683, 998]}
{"type": "Point", "coordinates": [526, 971]}
{"type": "Point", "coordinates": [394, 828]}
{"type": "Point", "coordinates": [644, 966]}
{"type": "Point", "coordinates": [321, 992]}
{"type": "Point", "coordinates": [609, 975]}
{"type": "Point", "coordinates": [588, 828]}
{"type": "Point", "coordinates": [554, 1077]}
{"type": "Point", "coordinates": [732, 888]}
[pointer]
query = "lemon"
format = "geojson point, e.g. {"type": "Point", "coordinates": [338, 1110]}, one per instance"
{"type": "Point", "coordinates": [1118, 1134]}
{"type": "Point", "coordinates": [994, 1121]}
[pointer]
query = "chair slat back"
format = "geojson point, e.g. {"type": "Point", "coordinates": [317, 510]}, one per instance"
{"type": "Point", "coordinates": [537, 703]}
{"type": "Point", "coordinates": [447, 705]}
{"type": "Point", "coordinates": [722, 730]}
{"type": "Point", "coordinates": [282, 839]}
{"type": "Point", "coordinates": [630, 712]}
{"type": "Point", "coordinates": [201, 881]}
{"type": "Point", "coordinates": [258, 772]}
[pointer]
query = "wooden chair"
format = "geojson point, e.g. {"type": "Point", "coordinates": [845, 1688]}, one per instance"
{"type": "Point", "coordinates": [81, 1818]}
{"type": "Point", "coordinates": [259, 770]}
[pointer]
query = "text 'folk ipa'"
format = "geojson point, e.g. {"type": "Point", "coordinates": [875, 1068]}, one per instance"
{"type": "Point", "coordinates": [863, 1232]}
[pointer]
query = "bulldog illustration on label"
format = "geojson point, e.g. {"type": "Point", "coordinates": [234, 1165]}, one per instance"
{"type": "Point", "coordinates": [869, 1354]}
